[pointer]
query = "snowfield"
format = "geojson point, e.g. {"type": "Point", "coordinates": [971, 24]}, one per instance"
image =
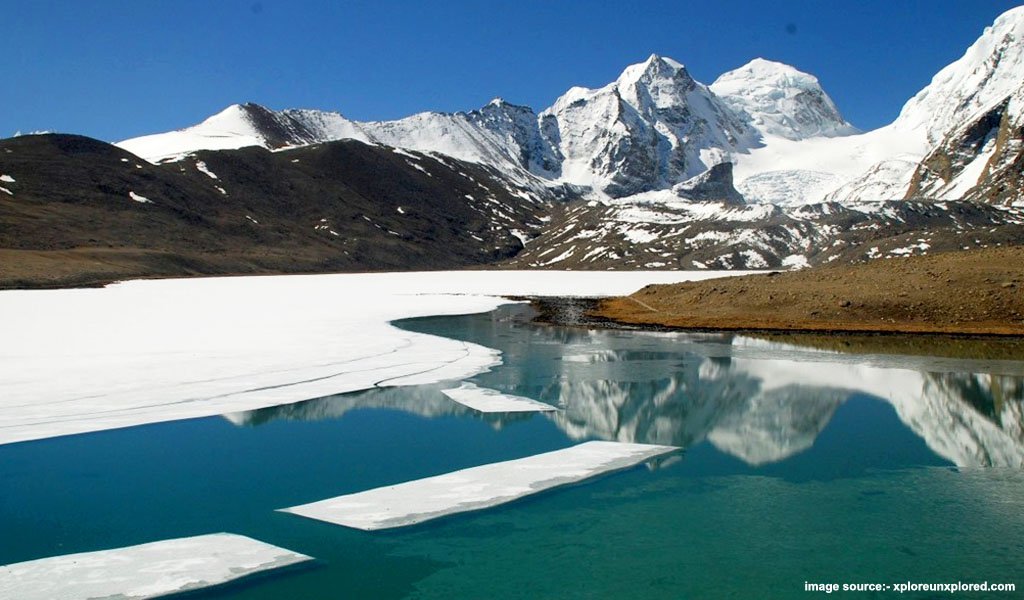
{"type": "Point", "coordinates": [80, 360]}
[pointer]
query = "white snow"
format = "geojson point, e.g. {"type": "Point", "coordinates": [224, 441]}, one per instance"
{"type": "Point", "coordinates": [919, 248]}
{"type": "Point", "coordinates": [7, 179]}
{"type": "Point", "coordinates": [969, 176]}
{"type": "Point", "coordinates": [806, 171]}
{"type": "Point", "coordinates": [781, 101]}
{"type": "Point", "coordinates": [492, 401]}
{"type": "Point", "coordinates": [476, 488]}
{"type": "Point", "coordinates": [795, 261]}
{"type": "Point", "coordinates": [144, 571]}
{"type": "Point", "coordinates": [752, 259]}
{"type": "Point", "coordinates": [878, 165]}
{"type": "Point", "coordinates": [227, 130]}
{"type": "Point", "coordinates": [138, 198]}
{"type": "Point", "coordinates": [404, 153]}
{"type": "Point", "coordinates": [638, 235]}
{"type": "Point", "coordinates": [162, 350]}
{"type": "Point", "coordinates": [561, 257]}
{"type": "Point", "coordinates": [522, 236]}
{"type": "Point", "coordinates": [418, 168]}
{"type": "Point", "coordinates": [201, 166]}
{"type": "Point", "coordinates": [665, 208]}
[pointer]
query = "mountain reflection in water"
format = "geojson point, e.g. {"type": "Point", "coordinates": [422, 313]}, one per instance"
{"type": "Point", "coordinates": [758, 401]}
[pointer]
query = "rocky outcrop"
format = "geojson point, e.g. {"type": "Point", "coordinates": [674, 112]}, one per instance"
{"type": "Point", "coordinates": [713, 185]}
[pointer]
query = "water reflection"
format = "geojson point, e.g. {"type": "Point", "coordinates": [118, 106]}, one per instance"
{"type": "Point", "coordinates": [759, 401]}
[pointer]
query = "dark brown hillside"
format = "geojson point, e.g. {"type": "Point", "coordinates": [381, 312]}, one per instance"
{"type": "Point", "coordinates": [342, 206]}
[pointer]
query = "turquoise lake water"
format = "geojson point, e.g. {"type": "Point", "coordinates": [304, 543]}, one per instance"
{"type": "Point", "coordinates": [798, 465]}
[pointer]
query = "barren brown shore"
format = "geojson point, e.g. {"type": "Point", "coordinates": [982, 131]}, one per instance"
{"type": "Point", "coordinates": [977, 292]}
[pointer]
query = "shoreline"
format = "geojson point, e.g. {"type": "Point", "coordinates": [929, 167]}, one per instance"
{"type": "Point", "coordinates": [972, 293]}
{"type": "Point", "coordinates": [586, 312]}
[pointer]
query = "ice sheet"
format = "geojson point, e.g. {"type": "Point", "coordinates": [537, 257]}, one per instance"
{"type": "Point", "coordinates": [477, 487]}
{"type": "Point", "coordinates": [144, 571]}
{"type": "Point", "coordinates": [492, 401]}
{"type": "Point", "coordinates": [80, 360]}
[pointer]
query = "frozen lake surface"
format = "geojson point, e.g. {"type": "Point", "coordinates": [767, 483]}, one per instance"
{"type": "Point", "coordinates": [147, 351]}
{"type": "Point", "coordinates": [476, 488]}
{"type": "Point", "coordinates": [799, 462]}
{"type": "Point", "coordinates": [144, 571]}
{"type": "Point", "coordinates": [493, 401]}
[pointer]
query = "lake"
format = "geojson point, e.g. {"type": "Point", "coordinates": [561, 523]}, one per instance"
{"type": "Point", "coordinates": [799, 463]}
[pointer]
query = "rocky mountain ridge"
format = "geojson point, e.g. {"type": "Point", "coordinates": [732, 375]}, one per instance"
{"type": "Point", "coordinates": [653, 171]}
{"type": "Point", "coordinates": [654, 127]}
{"type": "Point", "coordinates": [651, 128]}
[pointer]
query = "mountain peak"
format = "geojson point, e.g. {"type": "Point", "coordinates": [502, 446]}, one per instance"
{"type": "Point", "coordinates": [988, 72]}
{"type": "Point", "coordinates": [234, 111]}
{"type": "Point", "coordinates": [761, 71]}
{"type": "Point", "coordinates": [781, 100]}
{"type": "Point", "coordinates": [655, 67]}
{"type": "Point", "coordinates": [1010, 18]}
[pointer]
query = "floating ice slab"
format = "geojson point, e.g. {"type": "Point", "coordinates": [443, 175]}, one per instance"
{"type": "Point", "coordinates": [492, 401]}
{"type": "Point", "coordinates": [73, 361]}
{"type": "Point", "coordinates": [476, 488]}
{"type": "Point", "coordinates": [144, 571]}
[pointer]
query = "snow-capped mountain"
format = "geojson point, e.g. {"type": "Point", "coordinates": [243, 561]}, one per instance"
{"type": "Point", "coordinates": [781, 101]}
{"type": "Point", "coordinates": [653, 170]}
{"type": "Point", "coordinates": [971, 117]}
{"type": "Point", "coordinates": [243, 125]}
{"type": "Point", "coordinates": [981, 159]}
{"type": "Point", "coordinates": [651, 128]}
{"type": "Point", "coordinates": [939, 147]}
{"type": "Point", "coordinates": [655, 127]}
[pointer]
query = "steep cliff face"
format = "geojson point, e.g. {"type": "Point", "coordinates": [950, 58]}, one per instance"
{"type": "Point", "coordinates": [531, 139]}
{"type": "Point", "coordinates": [980, 160]}
{"type": "Point", "coordinates": [713, 185]}
{"type": "Point", "coordinates": [652, 127]}
{"type": "Point", "coordinates": [971, 117]}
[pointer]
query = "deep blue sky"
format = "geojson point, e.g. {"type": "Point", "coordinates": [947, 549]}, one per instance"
{"type": "Point", "coordinates": [117, 69]}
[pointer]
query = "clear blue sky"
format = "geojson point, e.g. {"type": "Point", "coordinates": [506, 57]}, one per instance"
{"type": "Point", "coordinates": [114, 69]}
